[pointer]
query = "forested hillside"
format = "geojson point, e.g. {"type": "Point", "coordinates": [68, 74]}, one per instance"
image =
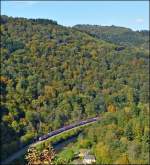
{"type": "Point", "coordinates": [119, 35]}
{"type": "Point", "coordinates": [53, 75]}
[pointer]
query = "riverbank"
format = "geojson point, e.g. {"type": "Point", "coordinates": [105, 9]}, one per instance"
{"type": "Point", "coordinates": [55, 141]}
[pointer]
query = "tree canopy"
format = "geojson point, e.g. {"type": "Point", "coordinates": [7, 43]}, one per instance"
{"type": "Point", "coordinates": [53, 75]}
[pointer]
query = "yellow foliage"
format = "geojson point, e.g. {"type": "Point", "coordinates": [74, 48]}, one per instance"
{"type": "Point", "coordinates": [127, 109]}
{"type": "Point", "coordinates": [112, 126]}
{"type": "Point", "coordinates": [94, 54]}
{"type": "Point", "coordinates": [65, 65]}
{"type": "Point", "coordinates": [7, 118]}
{"type": "Point", "coordinates": [111, 108]}
{"type": "Point", "coordinates": [123, 160]}
{"type": "Point", "coordinates": [41, 99]}
{"type": "Point", "coordinates": [124, 140]}
{"type": "Point", "coordinates": [146, 129]}
{"type": "Point", "coordinates": [81, 61]}
{"type": "Point", "coordinates": [50, 91]}
{"type": "Point", "coordinates": [102, 153]}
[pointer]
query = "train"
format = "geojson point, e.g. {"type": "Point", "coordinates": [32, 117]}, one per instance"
{"type": "Point", "coordinates": [65, 128]}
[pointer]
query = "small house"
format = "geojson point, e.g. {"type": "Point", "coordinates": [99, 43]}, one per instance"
{"type": "Point", "coordinates": [89, 159]}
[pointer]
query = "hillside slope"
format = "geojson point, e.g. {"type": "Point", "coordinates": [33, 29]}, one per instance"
{"type": "Point", "coordinates": [53, 75]}
{"type": "Point", "coordinates": [119, 35]}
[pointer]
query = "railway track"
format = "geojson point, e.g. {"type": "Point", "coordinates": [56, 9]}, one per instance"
{"type": "Point", "coordinates": [49, 135]}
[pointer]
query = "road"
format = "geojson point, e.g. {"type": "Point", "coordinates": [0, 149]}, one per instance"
{"type": "Point", "coordinates": [23, 150]}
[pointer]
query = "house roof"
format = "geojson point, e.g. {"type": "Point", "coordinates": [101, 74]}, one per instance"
{"type": "Point", "coordinates": [89, 157]}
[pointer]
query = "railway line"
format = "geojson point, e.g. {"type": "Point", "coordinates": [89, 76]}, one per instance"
{"type": "Point", "coordinates": [49, 135]}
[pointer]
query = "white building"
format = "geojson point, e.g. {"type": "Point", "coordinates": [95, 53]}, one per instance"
{"type": "Point", "coordinates": [89, 159]}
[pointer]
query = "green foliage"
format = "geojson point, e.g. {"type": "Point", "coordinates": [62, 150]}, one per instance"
{"type": "Point", "coordinates": [27, 137]}
{"type": "Point", "coordinates": [119, 138]}
{"type": "Point", "coordinates": [85, 143]}
{"type": "Point", "coordinates": [102, 154]}
{"type": "Point", "coordinates": [118, 35]}
{"type": "Point", "coordinates": [129, 132]}
{"type": "Point", "coordinates": [52, 76]}
{"type": "Point", "coordinates": [66, 156]}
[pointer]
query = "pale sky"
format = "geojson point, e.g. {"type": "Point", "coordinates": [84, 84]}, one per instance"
{"type": "Point", "coordinates": [131, 14]}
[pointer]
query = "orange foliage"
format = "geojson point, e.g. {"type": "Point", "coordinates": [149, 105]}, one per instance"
{"type": "Point", "coordinates": [3, 80]}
